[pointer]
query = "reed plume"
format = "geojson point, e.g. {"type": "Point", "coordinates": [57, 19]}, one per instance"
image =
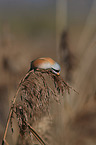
{"type": "Point", "coordinates": [32, 98]}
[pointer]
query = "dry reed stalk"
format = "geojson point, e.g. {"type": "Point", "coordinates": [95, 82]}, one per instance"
{"type": "Point", "coordinates": [31, 101]}
{"type": "Point", "coordinates": [67, 59]}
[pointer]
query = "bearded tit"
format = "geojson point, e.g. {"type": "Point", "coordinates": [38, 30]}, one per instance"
{"type": "Point", "coordinates": [45, 63]}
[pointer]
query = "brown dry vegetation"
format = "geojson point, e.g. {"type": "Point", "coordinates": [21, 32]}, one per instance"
{"type": "Point", "coordinates": [73, 122]}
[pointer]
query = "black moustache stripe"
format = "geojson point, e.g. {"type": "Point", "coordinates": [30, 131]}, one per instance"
{"type": "Point", "coordinates": [56, 70]}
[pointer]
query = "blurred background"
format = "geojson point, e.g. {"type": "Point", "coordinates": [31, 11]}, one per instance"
{"type": "Point", "coordinates": [64, 30]}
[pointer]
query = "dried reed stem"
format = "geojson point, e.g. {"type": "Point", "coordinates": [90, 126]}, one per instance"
{"type": "Point", "coordinates": [10, 112]}
{"type": "Point", "coordinates": [35, 95]}
{"type": "Point", "coordinates": [35, 134]}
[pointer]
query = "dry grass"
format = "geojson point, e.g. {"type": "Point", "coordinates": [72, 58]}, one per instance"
{"type": "Point", "coordinates": [74, 120]}
{"type": "Point", "coordinates": [31, 102]}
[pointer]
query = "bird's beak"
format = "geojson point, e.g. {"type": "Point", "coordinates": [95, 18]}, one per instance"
{"type": "Point", "coordinates": [58, 73]}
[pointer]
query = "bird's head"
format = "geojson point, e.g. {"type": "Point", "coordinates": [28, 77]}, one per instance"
{"type": "Point", "coordinates": [45, 63]}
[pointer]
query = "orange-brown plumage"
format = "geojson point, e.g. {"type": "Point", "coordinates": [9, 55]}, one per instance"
{"type": "Point", "coordinates": [45, 63]}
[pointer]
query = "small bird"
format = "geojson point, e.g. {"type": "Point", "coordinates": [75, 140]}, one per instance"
{"type": "Point", "coordinates": [45, 63]}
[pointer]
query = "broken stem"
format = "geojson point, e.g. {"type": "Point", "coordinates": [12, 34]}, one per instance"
{"type": "Point", "coordinates": [35, 134]}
